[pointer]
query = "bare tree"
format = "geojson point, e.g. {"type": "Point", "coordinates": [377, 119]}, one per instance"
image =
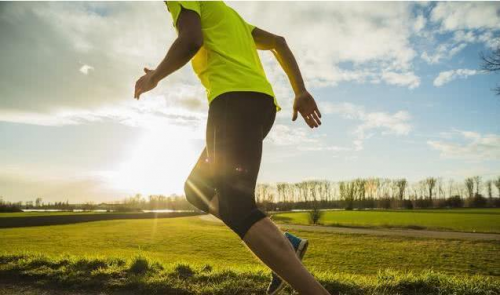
{"type": "Point", "coordinates": [280, 187]}
{"type": "Point", "coordinates": [451, 188]}
{"type": "Point", "coordinates": [440, 188]}
{"type": "Point", "coordinates": [346, 189]}
{"type": "Point", "coordinates": [401, 184]}
{"type": "Point", "coordinates": [491, 63]}
{"type": "Point", "coordinates": [477, 183]}
{"type": "Point", "coordinates": [430, 183]}
{"type": "Point", "coordinates": [328, 190]}
{"type": "Point", "coordinates": [489, 188]}
{"type": "Point", "coordinates": [469, 184]}
{"type": "Point", "coordinates": [497, 184]}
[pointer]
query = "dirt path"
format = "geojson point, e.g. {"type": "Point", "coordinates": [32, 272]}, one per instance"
{"type": "Point", "coordinates": [382, 232]}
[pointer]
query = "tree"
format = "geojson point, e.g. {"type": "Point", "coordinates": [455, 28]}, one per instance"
{"type": "Point", "coordinates": [262, 192]}
{"type": "Point", "coordinates": [280, 187]}
{"type": "Point", "coordinates": [451, 185]}
{"type": "Point", "coordinates": [346, 189]}
{"type": "Point", "coordinates": [477, 182]}
{"type": "Point", "coordinates": [401, 184]}
{"type": "Point", "coordinates": [469, 184]}
{"type": "Point", "coordinates": [491, 63]}
{"type": "Point", "coordinates": [489, 188]}
{"type": "Point", "coordinates": [430, 182]}
{"type": "Point", "coordinates": [497, 184]}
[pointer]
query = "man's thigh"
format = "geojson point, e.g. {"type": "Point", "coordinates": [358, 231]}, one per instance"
{"type": "Point", "coordinates": [200, 181]}
{"type": "Point", "coordinates": [234, 142]}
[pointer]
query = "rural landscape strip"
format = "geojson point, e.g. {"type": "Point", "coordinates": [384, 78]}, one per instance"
{"type": "Point", "coordinates": [382, 232]}
{"type": "Point", "coordinates": [10, 222]}
{"type": "Point", "coordinates": [396, 232]}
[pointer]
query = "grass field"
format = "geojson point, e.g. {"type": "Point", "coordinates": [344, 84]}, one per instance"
{"type": "Point", "coordinates": [142, 275]}
{"type": "Point", "coordinates": [347, 262]}
{"type": "Point", "coordinates": [191, 239]}
{"type": "Point", "coordinates": [466, 220]}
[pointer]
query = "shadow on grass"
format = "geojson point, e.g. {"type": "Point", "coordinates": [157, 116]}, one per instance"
{"type": "Point", "coordinates": [141, 275]}
{"type": "Point", "coordinates": [9, 222]}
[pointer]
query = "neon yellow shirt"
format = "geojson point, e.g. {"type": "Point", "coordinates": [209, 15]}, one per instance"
{"type": "Point", "coordinates": [228, 60]}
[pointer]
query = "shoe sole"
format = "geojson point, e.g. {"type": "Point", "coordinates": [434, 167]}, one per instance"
{"type": "Point", "coordinates": [301, 251]}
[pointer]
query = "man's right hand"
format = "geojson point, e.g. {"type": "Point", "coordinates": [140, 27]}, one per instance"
{"type": "Point", "coordinates": [145, 83]}
{"type": "Point", "coordinates": [306, 105]}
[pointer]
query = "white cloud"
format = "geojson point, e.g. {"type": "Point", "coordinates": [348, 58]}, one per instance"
{"type": "Point", "coordinates": [147, 113]}
{"type": "Point", "coordinates": [448, 76]}
{"type": "Point", "coordinates": [467, 15]}
{"type": "Point", "coordinates": [284, 135]}
{"type": "Point", "coordinates": [444, 51]}
{"type": "Point", "coordinates": [118, 39]}
{"type": "Point", "coordinates": [466, 22]}
{"type": "Point", "coordinates": [85, 69]}
{"type": "Point", "coordinates": [419, 24]}
{"type": "Point", "coordinates": [408, 79]}
{"type": "Point", "coordinates": [386, 123]}
{"type": "Point", "coordinates": [371, 37]}
{"type": "Point", "coordinates": [301, 139]}
{"type": "Point", "coordinates": [396, 123]}
{"type": "Point", "coordinates": [469, 145]}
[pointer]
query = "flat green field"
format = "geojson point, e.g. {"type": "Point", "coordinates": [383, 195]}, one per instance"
{"type": "Point", "coordinates": [465, 220]}
{"type": "Point", "coordinates": [363, 262]}
{"type": "Point", "coordinates": [194, 240]}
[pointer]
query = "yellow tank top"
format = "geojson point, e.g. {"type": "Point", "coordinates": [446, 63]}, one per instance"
{"type": "Point", "coordinates": [228, 60]}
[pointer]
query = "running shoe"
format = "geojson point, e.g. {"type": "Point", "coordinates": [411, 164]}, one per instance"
{"type": "Point", "coordinates": [300, 246]}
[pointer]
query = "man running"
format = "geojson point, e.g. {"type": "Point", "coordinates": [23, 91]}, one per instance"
{"type": "Point", "coordinates": [242, 110]}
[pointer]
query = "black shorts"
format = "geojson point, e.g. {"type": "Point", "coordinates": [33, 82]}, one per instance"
{"type": "Point", "coordinates": [229, 165]}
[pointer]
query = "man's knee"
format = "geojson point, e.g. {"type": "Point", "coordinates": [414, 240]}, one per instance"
{"type": "Point", "coordinates": [240, 221]}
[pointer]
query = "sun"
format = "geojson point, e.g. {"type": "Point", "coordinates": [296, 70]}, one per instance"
{"type": "Point", "coordinates": [158, 163]}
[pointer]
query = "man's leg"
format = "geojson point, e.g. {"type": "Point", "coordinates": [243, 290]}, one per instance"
{"type": "Point", "coordinates": [271, 246]}
{"type": "Point", "coordinates": [234, 140]}
{"type": "Point", "coordinates": [268, 243]}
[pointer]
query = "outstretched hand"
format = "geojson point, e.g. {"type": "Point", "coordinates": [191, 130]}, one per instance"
{"type": "Point", "coordinates": [306, 105]}
{"type": "Point", "coordinates": [145, 83]}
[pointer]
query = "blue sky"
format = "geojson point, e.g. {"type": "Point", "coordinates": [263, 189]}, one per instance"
{"type": "Point", "coordinates": [399, 86]}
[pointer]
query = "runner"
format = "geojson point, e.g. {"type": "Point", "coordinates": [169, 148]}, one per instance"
{"type": "Point", "coordinates": [242, 109]}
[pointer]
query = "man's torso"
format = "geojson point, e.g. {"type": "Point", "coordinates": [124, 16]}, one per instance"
{"type": "Point", "coordinates": [228, 60]}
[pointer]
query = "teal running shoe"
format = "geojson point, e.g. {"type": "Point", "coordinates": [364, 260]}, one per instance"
{"type": "Point", "coordinates": [300, 246]}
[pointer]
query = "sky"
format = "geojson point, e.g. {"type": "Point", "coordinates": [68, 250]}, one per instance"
{"type": "Point", "coordinates": [399, 85]}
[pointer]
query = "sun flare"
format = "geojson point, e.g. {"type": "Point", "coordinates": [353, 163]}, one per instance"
{"type": "Point", "coordinates": [158, 163]}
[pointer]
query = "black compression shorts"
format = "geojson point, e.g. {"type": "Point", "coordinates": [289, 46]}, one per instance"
{"type": "Point", "coordinates": [229, 165]}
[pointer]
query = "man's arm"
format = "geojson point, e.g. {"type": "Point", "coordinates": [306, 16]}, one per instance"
{"type": "Point", "coordinates": [304, 103]}
{"type": "Point", "coordinates": [187, 44]}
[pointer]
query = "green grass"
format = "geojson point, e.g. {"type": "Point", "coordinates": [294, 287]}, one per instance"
{"type": "Point", "coordinates": [191, 240]}
{"type": "Point", "coordinates": [143, 275]}
{"type": "Point", "coordinates": [188, 255]}
{"type": "Point", "coordinates": [465, 220]}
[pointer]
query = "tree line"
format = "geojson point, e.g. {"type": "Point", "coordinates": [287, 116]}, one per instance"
{"type": "Point", "coordinates": [383, 193]}
{"type": "Point", "coordinates": [360, 193]}
{"type": "Point", "coordinates": [134, 203]}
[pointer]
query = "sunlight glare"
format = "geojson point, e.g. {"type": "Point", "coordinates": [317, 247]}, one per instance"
{"type": "Point", "coordinates": [159, 163]}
